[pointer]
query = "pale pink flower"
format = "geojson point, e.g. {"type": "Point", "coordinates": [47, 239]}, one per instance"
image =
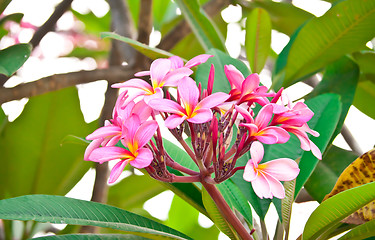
{"type": "Point", "coordinates": [265, 178]}
{"type": "Point", "coordinates": [160, 75]}
{"type": "Point", "coordinates": [246, 89]}
{"type": "Point", "coordinates": [136, 135]}
{"type": "Point", "coordinates": [297, 115]}
{"type": "Point", "coordinates": [190, 109]}
{"type": "Point", "coordinates": [259, 128]}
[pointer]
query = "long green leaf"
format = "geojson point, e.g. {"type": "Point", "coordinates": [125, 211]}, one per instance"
{"type": "Point", "coordinates": [32, 150]}
{"type": "Point", "coordinates": [146, 50]}
{"type": "Point", "coordinates": [92, 237]}
{"type": "Point", "coordinates": [364, 95]}
{"type": "Point", "coordinates": [58, 209]}
{"type": "Point", "coordinates": [345, 28]}
{"type": "Point", "coordinates": [325, 176]}
{"type": "Point", "coordinates": [285, 17]}
{"type": "Point", "coordinates": [340, 77]}
{"type": "Point", "coordinates": [219, 60]}
{"type": "Point", "coordinates": [360, 232]}
{"type": "Point", "coordinates": [216, 216]}
{"type": "Point", "coordinates": [336, 208]}
{"type": "Point", "coordinates": [366, 61]}
{"type": "Point", "coordinates": [13, 57]}
{"type": "Point", "coordinates": [258, 38]}
{"type": "Point", "coordinates": [4, 4]}
{"type": "Point", "coordinates": [204, 29]}
{"type": "Point", "coordinates": [327, 110]}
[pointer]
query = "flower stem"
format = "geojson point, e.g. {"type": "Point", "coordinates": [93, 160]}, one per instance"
{"type": "Point", "coordinates": [226, 211]}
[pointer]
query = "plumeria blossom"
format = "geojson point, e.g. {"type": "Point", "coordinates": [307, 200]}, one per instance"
{"type": "Point", "coordinates": [160, 75]}
{"type": "Point", "coordinates": [135, 136]}
{"type": "Point", "coordinates": [190, 109]}
{"type": "Point", "coordinates": [246, 89]}
{"type": "Point", "coordinates": [265, 178]}
{"type": "Point", "coordinates": [259, 128]}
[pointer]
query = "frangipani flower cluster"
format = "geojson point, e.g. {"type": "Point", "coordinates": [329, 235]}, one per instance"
{"type": "Point", "coordinates": [133, 135]}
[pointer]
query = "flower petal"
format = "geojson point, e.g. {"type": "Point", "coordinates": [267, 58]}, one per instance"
{"type": "Point", "coordinates": [104, 154]}
{"type": "Point", "coordinates": [234, 76]}
{"type": "Point", "coordinates": [117, 170]}
{"type": "Point", "coordinates": [143, 159]}
{"type": "Point", "coordinates": [250, 84]}
{"type": "Point", "coordinates": [189, 93]}
{"type": "Point", "coordinates": [145, 132]}
{"type": "Point", "coordinates": [264, 116]}
{"type": "Point", "coordinates": [197, 60]}
{"type": "Point", "coordinates": [106, 131]}
{"type": "Point", "coordinates": [93, 145]}
{"type": "Point", "coordinates": [174, 120]}
{"type": "Point", "coordinates": [158, 69]}
{"type": "Point", "coordinates": [261, 186]}
{"type": "Point", "coordinates": [134, 83]}
{"type": "Point", "coordinates": [244, 114]}
{"type": "Point", "coordinates": [250, 173]}
{"type": "Point", "coordinates": [256, 153]}
{"type": "Point", "coordinates": [157, 95]}
{"type": "Point", "coordinates": [176, 62]}
{"type": "Point", "coordinates": [276, 188]}
{"type": "Point", "coordinates": [172, 78]}
{"type": "Point", "coordinates": [213, 100]}
{"type": "Point", "coordinates": [142, 74]}
{"type": "Point", "coordinates": [166, 105]}
{"type": "Point", "coordinates": [283, 169]}
{"type": "Point", "coordinates": [201, 116]}
{"type": "Point", "coordinates": [280, 133]}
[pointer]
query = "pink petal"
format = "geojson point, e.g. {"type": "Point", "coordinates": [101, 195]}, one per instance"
{"type": "Point", "coordinates": [158, 69]}
{"type": "Point", "coordinates": [157, 95]}
{"type": "Point", "coordinates": [143, 159]}
{"type": "Point", "coordinates": [172, 78]}
{"type": "Point", "coordinates": [211, 78]}
{"type": "Point", "coordinates": [189, 92]}
{"type": "Point", "coordinates": [201, 116]}
{"type": "Point", "coordinates": [176, 62]}
{"type": "Point", "coordinates": [283, 169]}
{"type": "Point", "coordinates": [213, 100]}
{"type": "Point", "coordinates": [134, 83]}
{"type": "Point", "coordinates": [105, 154]}
{"type": "Point", "coordinates": [197, 60]}
{"type": "Point", "coordinates": [256, 153]}
{"type": "Point", "coordinates": [280, 133]}
{"type": "Point", "coordinates": [116, 171]}
{"type": "Point", "coordinates": [247, 116]}
{"type": "Point", "coordinates": [106, 131]}
{"type": "Point", "coordinates": [261, 187]}
{"type": "Point", "coordinates": [113, 141]}
{"type": "Point", "coordinates": [174, 120]}
{"type": "Point", "coordinates": [142, 73]}
{"type": "Point", "coordinates": [166, 105]}
{"type": "Point", "coordinates": [234, 76]}
{"type": "Point", "coordinates": [250, 174]}
{"type": "Point", "coordinates": [264, 116]}
{"type": "Point", "coordinates": [315, 151]}
{"type": "Point", "coordinates": [145, 132]}
{"type": "Point", "coordinates": [252, 128]}
{"type": "Point", "coordinates": [267, 138]}
{"type": "Point", "coordinates": [250, 84]}
{"type": "Point", "coordinates": [130, 127]}
{"type": "Point", "coordinates": [276, 188]}
{"type": "Point", "coordinates": [142, 110]}
{"type": "Point", "coordinates": [93, 145]}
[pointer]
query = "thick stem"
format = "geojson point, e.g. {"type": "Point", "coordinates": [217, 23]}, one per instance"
{"type": "Point", "coordinates": [226, 211]}
{"type": "Point", "coordinates": [180, 168]}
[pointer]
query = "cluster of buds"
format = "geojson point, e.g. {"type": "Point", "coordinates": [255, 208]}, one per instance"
{"type": "Point", "coordinates": [133, 134]}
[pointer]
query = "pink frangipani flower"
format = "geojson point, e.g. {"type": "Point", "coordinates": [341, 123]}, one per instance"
{"type": "Point", "coordinates": [160, 74]}
{"type": "Point", "coordinates": [259, 128]}
{"type": "Point", "coordinates": [265, 178]}
{"type": "Point", "coordinates": [137, 136]}
{"type": "Point", "coordinates": [190, 109]}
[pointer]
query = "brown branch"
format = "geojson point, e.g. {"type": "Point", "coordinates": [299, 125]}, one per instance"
{"type": "Point", "coordinates": [212, 8]}
{"type": "Point", "coordinates": [144, 30]}
{"type": "Point", "coordinates": [51, 22]}
{"type": "Point", "coordinates": [59, 81]}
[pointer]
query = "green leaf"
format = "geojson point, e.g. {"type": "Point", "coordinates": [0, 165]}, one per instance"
{"type": "Point", "coordinates": [345, 28]}
{"type": "Point", "coordinates": [236, 200]}
{"type": "Point", "coordinates": [219, 60]}
{"type": "Point", "coordinates": [216, 216]}
{"type": "Point", "coordinates": [3, 120]}
{"type": "Point", "coordinates": [365, 95]}
{"type": "Point", "coordinates": [146, 50]}
{"type": "Point", "coordinates": [285, 17]}
{"type": "Point", "coordinates": [31, 146]}
{"type": "Point", "coordinates": [133, 191]}
{"type": "Point", "coordinates": [325, 176]}
{"type": "Point", "coordinates": [360, 232]}
{"type": "Point", "coordinates": [58, 209]}
{"type": "Point", "coordinates": [336, 208]}
{"type": "Point", "coordinates": [340, 77]}
{"type": "Point", "coordinates": [366, 61]}
{"type": "Point", "coordinates": [4, 4]}
{"type": "Point", "coordinates": [13, 57]}
{"type": "Point", "coordinates": [92, 237]}
{"type": "Point", "coordinates": [327, 109]}
{"type": "Point", "coordinates": [179, 155]}
{"type": "Point", "coordinates": [203, 28]}
{"type": "Point", "coordinates": [258, 38]}
{"type": "Point", "coordinates": [15, 17]}
{"type": "Point", "coordinates": [163, 12]}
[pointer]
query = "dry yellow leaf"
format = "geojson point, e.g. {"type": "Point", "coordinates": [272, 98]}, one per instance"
{"type": "Point", "coordinates": [359, 172]}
